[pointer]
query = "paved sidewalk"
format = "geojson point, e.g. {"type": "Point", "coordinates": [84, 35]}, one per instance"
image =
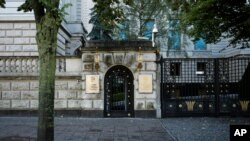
{"type": "Point", "coordinates": [86, 129]}
{"type": "Point", "coordinates": [202, 128]}
{"type": "Point", "coordinates": [123, 129]}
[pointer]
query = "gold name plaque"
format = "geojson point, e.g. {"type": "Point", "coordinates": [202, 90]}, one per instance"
{"type": "Point", "coordinates": [92, 84]}
{"type": "Point", "coordinates": [145, 83]}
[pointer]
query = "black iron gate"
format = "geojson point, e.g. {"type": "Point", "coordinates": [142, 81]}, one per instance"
{"type": "Point", "coordinates": [119, 92]}
{"type": "Point", "coordinates": [205, 87]}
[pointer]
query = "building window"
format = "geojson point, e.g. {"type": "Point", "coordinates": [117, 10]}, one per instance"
{"type": "Point", "coordinates": [175, 69]}
{"type": "Point", "coordinates": [199, 44]}
{"type": "Point", "coordinates": [201, 68]}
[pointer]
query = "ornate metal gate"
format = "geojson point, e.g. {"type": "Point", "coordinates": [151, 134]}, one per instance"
{"type": "Point", "coordinates": [119, 92]}
{"type": "Point", "coordinates": [205, 87]}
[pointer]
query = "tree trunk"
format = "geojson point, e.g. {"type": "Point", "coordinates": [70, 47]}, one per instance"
{"type": "Point", "coordinates": [47, 29]}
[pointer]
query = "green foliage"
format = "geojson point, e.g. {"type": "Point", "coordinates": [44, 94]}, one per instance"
{"type": "Point", "coordinates": [216, 19]}
{"type": "Point", "coordinates": [143, 11]}
{"type": "Point", "coordinates": [42, 7]}
{"type": "Point", "coordinates": [99, 30]}
{"type": "Point", "coordinates": [62, 11]}
{"type": "Point", "coordinates": [109, 11]}
{"type": "Point", "coordinates": [118, 97]}
{"type": "Point", "coordinates": [26, 6]}
{"type": "Point", "coordinates": [179, 5]}
{"type": "Point", "coordinates": [49, 4]}
{"type": "Point", "coordinates": [2, 3]}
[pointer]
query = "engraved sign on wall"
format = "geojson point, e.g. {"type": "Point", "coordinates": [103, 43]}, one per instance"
{"type": "Point", "coordinates": [92, 84]}
{"type": "Point", "coordinates": [145, 83]}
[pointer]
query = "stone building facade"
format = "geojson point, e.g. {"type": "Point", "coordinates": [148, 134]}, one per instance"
{"type": "Point", "coordinates": [19, 59]}
{"type": "Point", "coordinates": [88, 72]}
{"type": "Point", "coordinates": [75, 62]}
{"type": "Point", "coordinates": [19, 80]}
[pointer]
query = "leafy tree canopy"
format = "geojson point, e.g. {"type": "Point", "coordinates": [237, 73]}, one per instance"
{"type": "Point", "coordinates": [109, 11]}
{"type": "Point", "coordinates": [141, 12]}
{"type": "Point", "coordinates": [215, 19]}
{"type": "Point", "coordinates": [99, 30]}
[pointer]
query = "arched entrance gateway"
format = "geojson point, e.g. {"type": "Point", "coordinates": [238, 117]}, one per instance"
{"type": "Point", "coordinates": [119, 92]}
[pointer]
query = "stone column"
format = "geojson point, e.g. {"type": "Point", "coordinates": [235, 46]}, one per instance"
{"type": "Point", "coordinates": [158, 90]}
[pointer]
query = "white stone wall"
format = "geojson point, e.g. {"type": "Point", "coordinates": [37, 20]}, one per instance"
{"type": "Point", "coordinates": [19, 89]}
{"type": "Point", "coordinates": [18, 39]}
{"type": "Point", "coordinates": [11, 11]}
{"type": "Point", "coordinates": [146, 101]}
{"type": "Point", "coordinates": [23, 94]}
{"type": "Point", "coordinates": [18, 30]}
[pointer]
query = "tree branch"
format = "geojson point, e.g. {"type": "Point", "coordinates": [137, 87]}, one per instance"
{"type": "Point", "coordinates": [26, 6]}
{"type": "Point", "coordinates": [2, 3]}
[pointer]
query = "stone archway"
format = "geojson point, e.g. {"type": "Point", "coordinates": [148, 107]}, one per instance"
{"type": "Point", "coordinates": [119, 92]}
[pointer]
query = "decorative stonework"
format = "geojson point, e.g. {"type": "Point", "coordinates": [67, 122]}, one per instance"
{"type": "Point", "coordinates": [88, 58]}
{"type": "Point", "coordinates": [119, 58]}
{"type": "Point", "coordinates": [73, 46]}
{"type": "Point", "coordinates": [120, 53]}
{"type": "Point", "coordinates": [108, 60]}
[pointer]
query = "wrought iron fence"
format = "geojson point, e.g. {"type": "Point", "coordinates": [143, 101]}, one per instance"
{"type": "Point", "coordinates": [206, 87]}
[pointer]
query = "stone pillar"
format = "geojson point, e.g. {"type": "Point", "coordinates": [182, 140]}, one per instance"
{"type": "Point", "coordinates": [158, 91]}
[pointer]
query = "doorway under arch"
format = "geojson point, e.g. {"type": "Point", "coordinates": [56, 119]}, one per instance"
{"type": "Point", "coordinates": [119, 92]}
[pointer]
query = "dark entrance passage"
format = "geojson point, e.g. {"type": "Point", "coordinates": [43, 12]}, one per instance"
{"type": "Point", "coordinates": [119, 92]}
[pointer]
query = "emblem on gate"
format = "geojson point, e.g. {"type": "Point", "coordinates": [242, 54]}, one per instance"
{"type": "Point", "coordinates": [190, 105]}
{"type": "Point", "coordinates": [244, 105]}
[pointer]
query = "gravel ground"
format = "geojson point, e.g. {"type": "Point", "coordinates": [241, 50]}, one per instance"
{"type": "Point", "coordinates": [201, 129]}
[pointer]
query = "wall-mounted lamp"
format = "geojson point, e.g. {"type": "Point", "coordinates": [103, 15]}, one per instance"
{"type": "Point", "coordinates": [154, 31]}
{"type": "Point", "coordinates": [139, 59]}
{"type": "Point", "coordinates": [97, 60]}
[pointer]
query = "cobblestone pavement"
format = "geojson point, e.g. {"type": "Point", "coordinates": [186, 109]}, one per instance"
{"type": "Point", "coordinates": [123, 129]}
{"type": "Point", "coordinates": [86, 129]}
{"type": "Point", "coordinates": [202, 128]}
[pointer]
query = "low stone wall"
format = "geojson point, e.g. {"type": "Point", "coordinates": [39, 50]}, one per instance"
{"type": "Point", "coordinates": [19, 82]}
{"type": "Point", "coordinates": [23, 94]}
